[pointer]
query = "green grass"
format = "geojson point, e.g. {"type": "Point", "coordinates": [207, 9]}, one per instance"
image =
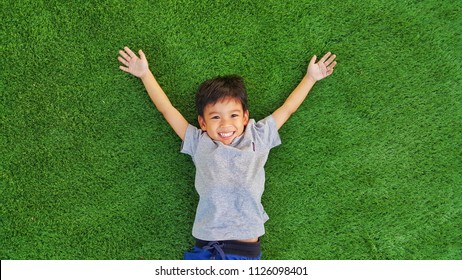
{"type": "Point", "coordinates": [370, 166]}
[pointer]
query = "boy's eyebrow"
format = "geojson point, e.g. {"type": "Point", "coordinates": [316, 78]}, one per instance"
{"type": "Point", "coordinates": [230, 112]}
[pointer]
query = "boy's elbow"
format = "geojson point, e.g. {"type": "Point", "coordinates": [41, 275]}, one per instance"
{"type": "Point", "coordinates": [289, 110]}
{"type": "Point", "coordinates": [165, 108]}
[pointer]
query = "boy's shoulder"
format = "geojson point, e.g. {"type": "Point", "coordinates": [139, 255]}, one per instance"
{"type": "Point", "coordinates": [264, 131]}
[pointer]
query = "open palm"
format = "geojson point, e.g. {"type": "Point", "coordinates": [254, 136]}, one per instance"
{"type": "Point", "coordinates": [323, 68]}
{"type": "Point", "coordinates": [137, 66]}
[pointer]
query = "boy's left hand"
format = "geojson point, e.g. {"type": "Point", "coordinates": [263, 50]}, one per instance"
{"type": "Point", "coordinates": [322, 69]}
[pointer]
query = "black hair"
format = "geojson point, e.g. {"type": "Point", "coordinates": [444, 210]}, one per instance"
{"type": "Point", "coordinates": [219, 88]}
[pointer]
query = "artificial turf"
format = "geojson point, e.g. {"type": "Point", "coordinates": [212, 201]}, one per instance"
{"type": "Point", "coordinates": [370, 165]}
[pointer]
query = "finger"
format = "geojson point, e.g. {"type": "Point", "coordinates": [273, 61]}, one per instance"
{"type": "Point", "coordinates": [330, 60]}
{"type": "Point", "coordinates": [129, 52]}
{"type": "Point", "coordinates": [124, 55]}
{"type": "Point", "coordinates": [313, 60]}
{"type": "Point", "coordinates": [330, 71]}
{"type": "Point", "coordinates": [332, 65]}
{"type": "Point", "coordinates": [123, 61]}
{"type": "Point", "coordinates": [325, 57]}
{"type": "Point", "coordinates": [142, 55]}
{"type": "Point", "coordinates": [123, 68]}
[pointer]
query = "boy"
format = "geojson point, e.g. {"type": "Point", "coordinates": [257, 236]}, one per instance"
{"type": "Point", "coordinates": [229, 152]}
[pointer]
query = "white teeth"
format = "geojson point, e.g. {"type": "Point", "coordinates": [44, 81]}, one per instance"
{"type": "Point", "coordinates": [226, 134]}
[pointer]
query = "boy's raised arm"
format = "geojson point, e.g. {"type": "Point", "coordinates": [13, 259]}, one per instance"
{"type": "Point", "coordinates": [315, 72]}
{"type": "Point", "coordinates": [138, 66]}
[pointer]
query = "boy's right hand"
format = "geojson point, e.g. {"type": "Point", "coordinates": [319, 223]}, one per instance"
{"type": "Point", "coordinates": [137, 66]}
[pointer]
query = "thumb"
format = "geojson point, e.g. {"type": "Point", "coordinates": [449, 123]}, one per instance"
{"type": "Point", "coordinates": [142, 56]}
{"type": "Point", "coordinates": [313, 59]}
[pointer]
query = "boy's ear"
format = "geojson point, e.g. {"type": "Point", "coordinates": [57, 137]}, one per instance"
{"type": "Point", "coordinates": [202, 124]}
{"type": "Point", "coordinates": [246, 117]}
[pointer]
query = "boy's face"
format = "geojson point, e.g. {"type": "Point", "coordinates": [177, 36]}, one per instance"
{"type": "Point", "coordinates": [224, 120]}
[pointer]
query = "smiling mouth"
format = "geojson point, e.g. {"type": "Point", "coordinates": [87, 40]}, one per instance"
{"type": "Point", "coordinates": [226, 134]}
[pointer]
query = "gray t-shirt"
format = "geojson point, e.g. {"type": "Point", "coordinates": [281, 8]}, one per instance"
{"type": "Point", "coordinates": [230, 180]}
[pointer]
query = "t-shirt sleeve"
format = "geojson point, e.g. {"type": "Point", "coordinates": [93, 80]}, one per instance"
{"type": "Point", "coordinates": [191, 139]}
{"type": "Point", "coordinates": [267, 131]}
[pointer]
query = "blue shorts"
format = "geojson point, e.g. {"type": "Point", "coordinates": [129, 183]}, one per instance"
{"type": "Point", "coordinates": [224, 250]}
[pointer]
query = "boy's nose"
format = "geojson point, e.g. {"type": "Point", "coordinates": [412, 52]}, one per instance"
{"type": "Point", "coordinates": [224, 122]}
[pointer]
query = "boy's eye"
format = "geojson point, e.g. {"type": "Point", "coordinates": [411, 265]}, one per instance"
{"type": "Point", "coordinates": [215, 117]}
{"type": "Point", "coordinates": [234, 115]}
